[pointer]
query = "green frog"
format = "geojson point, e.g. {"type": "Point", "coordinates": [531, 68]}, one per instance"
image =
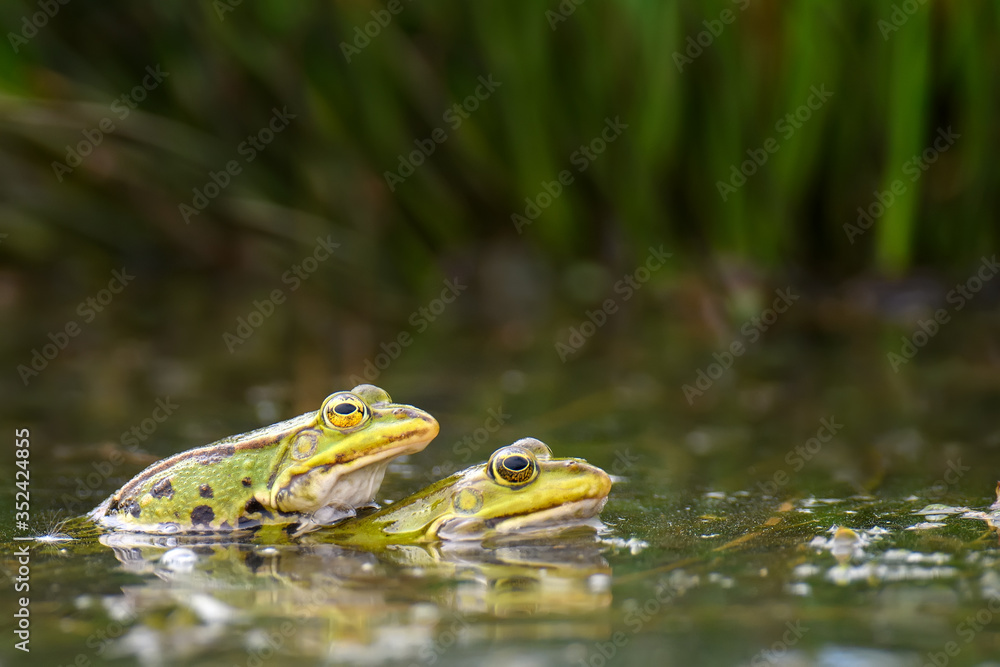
{"type": "Point", "coordinates": [310, 470]}
{"type": "Point", "coordinates": [519, 491]}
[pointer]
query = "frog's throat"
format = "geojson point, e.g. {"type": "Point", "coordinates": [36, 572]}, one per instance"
{"type": "Point", "coordinates": [361, 478]}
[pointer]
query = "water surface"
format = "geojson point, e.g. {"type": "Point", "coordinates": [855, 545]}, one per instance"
{"type": "Point", "coordinates": [813, 507]}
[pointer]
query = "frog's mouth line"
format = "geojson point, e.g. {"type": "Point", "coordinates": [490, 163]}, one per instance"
{"type": "Point", "coordinates": [414, 446]}
{"type": "Point", "coordinates": [574, 512]}
{"type": "Point", "coordinates": [357, 482]}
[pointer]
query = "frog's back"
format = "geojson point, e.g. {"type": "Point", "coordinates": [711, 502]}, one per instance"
{"type": "Point", "coordinates": [207, 489]}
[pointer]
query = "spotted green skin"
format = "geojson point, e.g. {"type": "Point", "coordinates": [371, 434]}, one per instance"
{"type": "Point", "coordinates": [285, 473]}
{"type": "Point", "coordinates": [472, 505]}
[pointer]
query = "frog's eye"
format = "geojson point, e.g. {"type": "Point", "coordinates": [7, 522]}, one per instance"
{"type": "Point", "coordinates": [512, 466]}
{"type": "Point", "coordinates": [344, 411]}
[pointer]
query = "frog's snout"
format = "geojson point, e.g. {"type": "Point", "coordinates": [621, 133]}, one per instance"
{"type": "Point", "coordinates": [597, 483]}
{"type": "Point", "coordinates": [428, 427]}
{"type": "Point", "coordinates": [602, 483]}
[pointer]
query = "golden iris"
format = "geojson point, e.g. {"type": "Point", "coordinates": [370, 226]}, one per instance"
{"type": "Point", "coordinates": [345, 411]}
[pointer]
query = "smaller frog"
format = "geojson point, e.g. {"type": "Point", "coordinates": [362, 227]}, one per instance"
{"type": "Point", "coordinates": [520, 490]}
{"type": "Point", "coordinates": [309, 470]}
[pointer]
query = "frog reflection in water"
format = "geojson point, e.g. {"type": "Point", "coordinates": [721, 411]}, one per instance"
{"type": "Point", "coordinates": [519, 491]}
{"type": "Point", "coordinates": [308, 470]}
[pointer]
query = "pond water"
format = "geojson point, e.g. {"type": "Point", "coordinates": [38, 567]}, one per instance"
{"type": "Point", "coordinates": [811, 507]}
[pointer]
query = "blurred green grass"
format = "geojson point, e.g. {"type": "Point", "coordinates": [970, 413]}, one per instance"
{"type": "Point", "coordinates": [893, 88]}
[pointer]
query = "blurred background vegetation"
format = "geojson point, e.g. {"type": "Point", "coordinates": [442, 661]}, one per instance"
{"type": "Point", "coordinates": [560, 78]}
{"type": "Point", "coordinates": [701, 86]}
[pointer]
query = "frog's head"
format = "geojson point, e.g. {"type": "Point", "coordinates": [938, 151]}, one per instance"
{"type": "Point", "coordinates": [340, 457]}
{"type": "Point", "coordinates": [519, 490]}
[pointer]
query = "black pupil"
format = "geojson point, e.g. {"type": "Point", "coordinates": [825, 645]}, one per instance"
{"type": "Point", "coordinates": [345, 408]}
{"type": "Point", "coordinates": [515, 463]}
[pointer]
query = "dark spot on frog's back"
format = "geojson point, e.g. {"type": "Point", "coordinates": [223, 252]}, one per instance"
{"type": "Point", "coordinates": [246, 481]}
{"type": "Point", "coordinates": [202, 514]}
{"type": "Point", "coordinates": [162, 489]}
{"type": "Point", "coordinates": [205, 491]}
{"type": "Point", "coordinates": [253, 506]}
{"type": "Point", "coordinates": [133, 508]}
{"type": "Point", "coordinates": [215, 454]}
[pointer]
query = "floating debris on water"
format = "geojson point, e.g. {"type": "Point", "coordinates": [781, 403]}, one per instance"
{"type": "Point", "coordinates": [634, 545]}
{"type": "Point", "coordinates": [906, 556]}
{"type": "Point", "coordinates": [845, 544]}
{"type": "Point", "coordinates": [926, 525]}
{"type": "Point", "coordinates": [721, 579]}
{"type": "Point", "coordinates": [882, 572]}
{"type": "Point", "coordinates": [936, 509]}
{"type": "Point", "coordinates": [813, 501]}
{"type": "Point", "coordinates": [806, 570]}
{"type": "Point", "coordinates": [799, 588]}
